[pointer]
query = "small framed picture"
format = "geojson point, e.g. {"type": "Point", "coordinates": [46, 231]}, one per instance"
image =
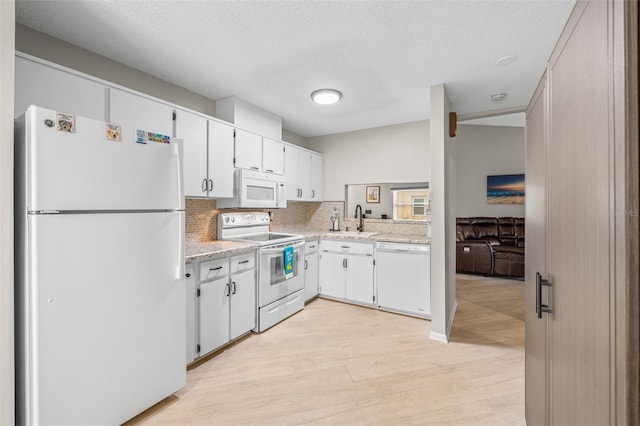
{"type": "Point", "coordinates": [373, 194]}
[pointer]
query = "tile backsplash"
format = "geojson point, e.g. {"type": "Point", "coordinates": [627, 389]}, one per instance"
{"type": "Point", "coordinates": [202, 220]}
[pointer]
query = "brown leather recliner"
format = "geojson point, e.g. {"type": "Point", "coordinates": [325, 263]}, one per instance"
{"type": "Point", "coordinates": [490, 246]}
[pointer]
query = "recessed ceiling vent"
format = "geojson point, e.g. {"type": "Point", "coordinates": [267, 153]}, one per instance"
{"type": "Point", "coordinates": [498, 97]}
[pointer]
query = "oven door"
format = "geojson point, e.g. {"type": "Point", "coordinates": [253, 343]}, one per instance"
{"type": "Point", "coordinates": [273, 283]}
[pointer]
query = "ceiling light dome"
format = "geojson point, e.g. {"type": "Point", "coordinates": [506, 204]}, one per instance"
{"type": "Point", "coordinates": [326, 96]}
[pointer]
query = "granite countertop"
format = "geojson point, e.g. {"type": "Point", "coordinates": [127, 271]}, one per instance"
{"type": "Point", "coordinates": [202, 250]}
{"type": "Point", "coordinates": [195, 250]}
{"type": "Point", "coordinates": [383, 237]}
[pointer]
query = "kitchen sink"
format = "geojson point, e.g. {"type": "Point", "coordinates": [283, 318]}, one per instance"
{"type": "Point", "coordinates": [355, 233]}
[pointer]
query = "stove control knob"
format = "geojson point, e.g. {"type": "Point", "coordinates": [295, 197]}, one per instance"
{"type": "Point", "coordinates": [226, 219]}
{"type": "Point", "coordinates": [233, 219]}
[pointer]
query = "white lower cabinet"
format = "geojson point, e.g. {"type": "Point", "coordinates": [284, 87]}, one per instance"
{"type": "Point", "coordinates": [346, 271]}
{"type": "Point", "coordinates": [214, 315]}
{"type": "Point", "coordinates": [190, 285]}
{"type": "Point", "coordinates": [311, 265]}
{"type": "Point", "coordinates": [221, 302]}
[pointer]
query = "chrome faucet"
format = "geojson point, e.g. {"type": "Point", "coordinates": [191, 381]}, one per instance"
{"type": "Point", "coordinates": [359, 208]}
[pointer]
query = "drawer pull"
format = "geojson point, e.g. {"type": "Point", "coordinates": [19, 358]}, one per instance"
{"type": "Point", "coordinates": [244, 261]}
{"type": "Point", "coordinates": [215, 269]}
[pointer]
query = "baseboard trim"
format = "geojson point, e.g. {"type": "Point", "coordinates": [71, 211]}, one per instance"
{"type": "Point", "coordinates": [439, 337]}
{"type": "Point", "coordinates": [450, 320]}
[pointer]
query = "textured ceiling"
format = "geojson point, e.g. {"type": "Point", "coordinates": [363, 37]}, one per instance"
{"type": "Point", "coordinates": [383, 55]}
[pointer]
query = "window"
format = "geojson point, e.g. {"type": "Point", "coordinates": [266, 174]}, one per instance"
{"type": "Point", "coordinates": [411, 204]}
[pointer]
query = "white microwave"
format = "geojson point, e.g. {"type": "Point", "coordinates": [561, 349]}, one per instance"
{"type": "Point", "coordinates": [255, 189]}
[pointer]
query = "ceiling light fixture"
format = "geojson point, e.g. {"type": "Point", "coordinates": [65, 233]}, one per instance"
{"type": "Point", "coordinates": [498, 97]}
{"type": "Point", "coordinates": [506, 60]}
{"type": "Point", "coordinates": [326, 96]}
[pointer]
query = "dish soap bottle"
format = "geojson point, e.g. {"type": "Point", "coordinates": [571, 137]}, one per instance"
{"type": "Point", "coordinates": [335, 220]}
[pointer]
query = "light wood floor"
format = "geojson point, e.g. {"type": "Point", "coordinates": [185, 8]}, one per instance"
{"type": "Point", "coordinates": [338, 364]}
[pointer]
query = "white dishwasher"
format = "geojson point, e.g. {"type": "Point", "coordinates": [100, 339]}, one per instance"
{"type": "Point", "coordinates": [403, 273]}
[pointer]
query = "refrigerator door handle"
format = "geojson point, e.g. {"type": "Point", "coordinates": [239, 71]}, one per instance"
{"type": "Point", "coordinates": [180, 268]}
{"type": "Point", "coordinates": [178, 154]}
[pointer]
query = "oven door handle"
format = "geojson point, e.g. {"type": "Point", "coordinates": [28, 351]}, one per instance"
{"type": "Point", "coordinates": [279, 247]}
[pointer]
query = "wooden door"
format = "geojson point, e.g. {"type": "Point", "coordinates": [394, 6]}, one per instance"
{"type": "Point", "coordinates": [579, 224]}
{"type": "Point", "coordinates": [536, 371]}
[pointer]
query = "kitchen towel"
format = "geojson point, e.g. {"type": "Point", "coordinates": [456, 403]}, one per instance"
{"type": "Point", "coordinates": [288, 262]}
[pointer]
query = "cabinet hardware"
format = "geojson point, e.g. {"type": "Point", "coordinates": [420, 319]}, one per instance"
{"type": "Point", "coordinates": [197, 348]}
{"type": "Point", "coordinates": [374, 262]}
{"type": "Point", "coordinates": [215, 269]}
{"type": "Point", "coordinates": [244, 261]}
{"type": "Point", "coordinates": [313, 193]}
{"type": "Point", "coordinates": [210, 184]}
{"type": "Point", "coordinates": [255, 168]}
{"type": "Point", "coordinates": [228, 290]}
{"type": "Point", "coordinates": [346, 247]}
{"type": "Point", "coordinates": [173, 117]}
{"type": "Point", "coordinates": [198, 293]}
{"type": "Point", "coordinates": [234, 287]}
{"type": "Point", "coordinates": [269, 171]}
{"type": "Point", "coordinates": [204, 185]}
{"type": "Point", "coordinates": [344, 263]}
{"type": "Point", "coordinates": [540, 308]}
{"type": "Point", "coordinates": [306, 264]}
{"type": "Point", "coordinates": [374, 298]}
{"type": "Point", "coordinates": [187, 275]}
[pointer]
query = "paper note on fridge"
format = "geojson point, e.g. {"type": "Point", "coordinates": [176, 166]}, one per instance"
{"type": "Point", "coordinates": [288, 259]}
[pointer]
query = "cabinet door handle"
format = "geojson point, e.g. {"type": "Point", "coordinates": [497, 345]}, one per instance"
{"type": "Point", "coordinates": [540, 308]}
{"type": "Point", "coordinates": [300, 193]}
{"type": "Point", "coordinates": [187, 275]}
{"type": "Point", "coordinates": [269, 171]}
{"type": "Point", "coordinates": [255, 168]}
{"type": "Point", "coordinates": [210, 184]}
{"type": "Point", "coordinates": [215, 269]}
{"type": "Point", "coordinates": [228, 290]}
{"type": "Point", "coordinates": [234, 287]}
{"type": "Point", "coordinates": [204, 185]}
{"type": "Point", "coordinates": [344, 263]}
{"type": "Point", "coordinates": [244, 261]}
{"type": "Point", "coordinates": [306, 264]}
{"type": "Point", "coordinates": [313, 193]}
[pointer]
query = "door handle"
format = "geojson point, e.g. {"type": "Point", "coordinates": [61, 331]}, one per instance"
{"type": "Point", "coordinates": [234, 287]}
{"type": "Point", "coordinates": [344, 263]}
{"type": "Point", "coordinates": [540, 308]}
{"type": "Point", "coordinates": [210, 184]}
{"type": "Point", "coordinates": [204, 185]}
{"type": "Point", "coordinates": [228, 290]}
{"type": "Point", "coordinates": [313, 193]}
{"type": "Point", "coordinates": [269, 171]}
{"type": "Point", "coordinates": [255, 168]}
{"type": "Point", "coordinates": [306, 264]}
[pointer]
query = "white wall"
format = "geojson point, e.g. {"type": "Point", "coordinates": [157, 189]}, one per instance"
{"type": "Point", "coordinates": [398, 153]}
{"type": "Point", "coordinates": [294, 138]}
{"type": "Point", "coordinates": [7, 55]}
{"type": "Point", "coordinates": [482, 151]}
{"type": "Point", "coordinates": [443, 188]}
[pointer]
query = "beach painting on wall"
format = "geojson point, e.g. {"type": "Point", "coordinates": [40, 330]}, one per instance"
{"type": "Point", "coordinates": [505, 189]}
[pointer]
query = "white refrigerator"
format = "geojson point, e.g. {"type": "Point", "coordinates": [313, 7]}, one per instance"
{"type": "Point", "coordinates": [100, 296]}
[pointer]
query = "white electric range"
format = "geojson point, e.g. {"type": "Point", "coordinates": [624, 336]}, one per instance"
{"type": "Point", "coordinates": [278, 296]}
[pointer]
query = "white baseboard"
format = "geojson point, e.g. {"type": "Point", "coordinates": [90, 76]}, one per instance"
{"type": "Point", "coordinates": [440, 337]}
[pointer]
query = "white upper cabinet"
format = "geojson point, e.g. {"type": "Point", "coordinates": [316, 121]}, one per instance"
{"type": "Point", "coordinates": [134, 112]}
{"type": "Point", "coordinates": [272, 156]}
{"type": "Point", "coordinates": [316, 177]}
{"type": "Point", "coordinates": [303, 170]}
{"type": "Point", "coordinates": [248, 148]}
{"type": "Point", "coordinates": [51, 88]}
{"type": "Point", "coordinates": [192, 129]}
{"type": "Point", "coordinates": [208, 155]}
{"type": "Point", "coordinates": [220, 160]}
